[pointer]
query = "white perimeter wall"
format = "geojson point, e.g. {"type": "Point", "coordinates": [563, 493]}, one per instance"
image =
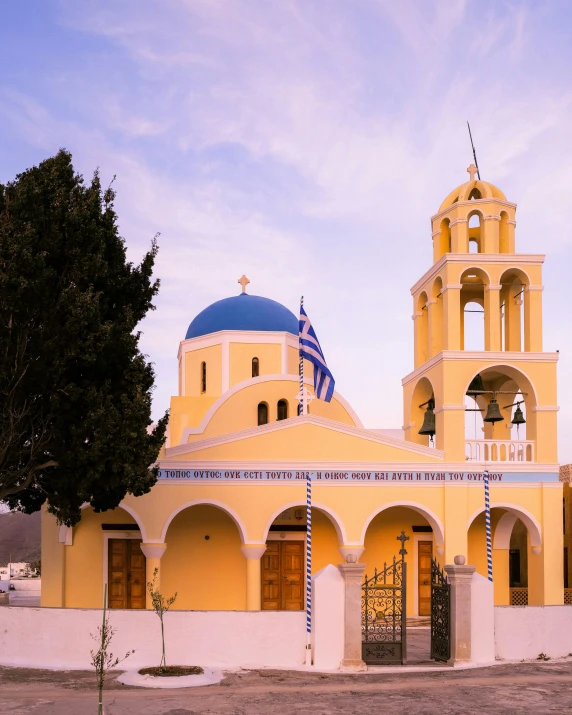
{"type": "Point", "coordinates": [60, 638]}
{"type": "Point", "coordinates": [523, 632]}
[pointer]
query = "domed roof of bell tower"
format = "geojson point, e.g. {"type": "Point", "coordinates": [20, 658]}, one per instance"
{"type": "Point", "coordinates": [472, 189]}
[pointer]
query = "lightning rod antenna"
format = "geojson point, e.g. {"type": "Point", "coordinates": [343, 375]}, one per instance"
{"type": "Point", "coordinates": [474, 152]}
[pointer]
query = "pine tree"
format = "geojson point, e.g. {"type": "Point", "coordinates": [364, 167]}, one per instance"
{"type": "Point", "coordinates": [75, 390]}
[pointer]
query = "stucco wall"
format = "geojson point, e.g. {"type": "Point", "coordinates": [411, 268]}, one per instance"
{"type": "Point", "coordinates": [60, 638]}
{"type": "Point", "coordinates": [206, 573]}
{"type": "Point", "coordinates": [523, 632]}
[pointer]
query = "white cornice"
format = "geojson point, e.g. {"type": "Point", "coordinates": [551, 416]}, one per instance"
{"type": "Point", "coordinates": [486, 357]}
{"type": "Point", "coordinates": [237, 336]}
{"type": "Point", "coordinates": [293, 422]}
{"type": "Point", "coordinates": [475, 259]}
{"type": "Point", "coordinates": [474, 202]}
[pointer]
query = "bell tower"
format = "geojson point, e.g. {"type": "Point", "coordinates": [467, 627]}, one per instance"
{"type": "Point", "coordinates": [496, 369]}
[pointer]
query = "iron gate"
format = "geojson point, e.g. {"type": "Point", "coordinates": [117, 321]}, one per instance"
{"type": "Point", "coordinates": [440, 614]}
{"type": "Point", "coordinates": [383, 613]}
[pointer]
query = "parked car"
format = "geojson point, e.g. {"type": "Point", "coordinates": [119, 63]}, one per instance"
{"type": "Point", "coordinates": [11, 587]}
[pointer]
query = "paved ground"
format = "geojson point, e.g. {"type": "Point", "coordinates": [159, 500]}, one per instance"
{"type": "Point", "coordinates": [539, 688]}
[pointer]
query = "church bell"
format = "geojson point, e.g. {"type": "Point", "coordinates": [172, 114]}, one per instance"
{"type": "Point", "coordinates": [518, 418]}
{"type": "Point", "coordinates": [476, 386]}
{"type": "Point", "coordinates": [493, 412]}
{"type": "Point", "coordinates": [428, 426]}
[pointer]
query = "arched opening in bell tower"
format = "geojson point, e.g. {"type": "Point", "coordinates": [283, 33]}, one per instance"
{"type": "Point", "coordinates": [473, 282]}
{"type": "Point", "coordinates": [513, 284]}
{"type": "Point", "coordinates": [445, 237]}
{"type": "Point", "coordinates": [475, 225]}
{"type": "Point", "coordinates": [421, 403]}
{"type": "Point", "coordinates": [503, 394]}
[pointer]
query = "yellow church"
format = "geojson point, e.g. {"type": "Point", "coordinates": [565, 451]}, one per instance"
{"type": "Point", "coordinates": [225, 523]}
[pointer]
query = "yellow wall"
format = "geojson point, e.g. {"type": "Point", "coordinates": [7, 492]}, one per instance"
{"type": "Point", "coordinates": [213, 358]}
{"type": "Point", "coordinates": [53, 562]}
{"type": "Point", "coordinates": [84, 560]}
{"type": "Point", "coordinates": [241, 354]}
{"type": "Point", "coordinates": [240, 410]}
{"type": "Point", "coordinates": [206, 574]}
{"type": "Point", "coordinates": [381, 544]}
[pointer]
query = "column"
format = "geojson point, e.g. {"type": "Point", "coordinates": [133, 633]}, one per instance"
{"type": "Point", "coordinates": [511, 232]}
{"type": "Point", "coordinates": [455, 519]}
{"type": "Point", "coordinates": [451, 316]}
{"type": "Point", "coordinates": [432, 328]}
{"type": "Point", "coordinates": [253, 554]}
{"type": "Point", "coordinates": [545, 573]}
{"type": "Point", "coordinates": [436, 235]}
{"type": "Point", "coordinates": [153, 554]}
{"type": "Point", "coordinates": [492, 318]}
{"type": "Point", "coordinates": [450, 431]}
{"type": "Point", "coordinates": [533, 319]}
{"type": "Point", "coordinates": [491, 234]}
{"type": "Point", "coordinates": [460, 577]}
{"type": "Point", "coordinates": [54, 542]}
{"type": "Point", "coordinates": [353, 577]}
{"type": "Point", "coordinates": [459, 236]}
{"type": "Point", "coordinates": [501, 576]}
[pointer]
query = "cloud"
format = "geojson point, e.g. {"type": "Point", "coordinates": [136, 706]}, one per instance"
{"type": "Point", "coordinates": [307, 144]}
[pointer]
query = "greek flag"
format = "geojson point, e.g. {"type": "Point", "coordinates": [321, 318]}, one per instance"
{"type": "Point", "coordinates": [310, 349]}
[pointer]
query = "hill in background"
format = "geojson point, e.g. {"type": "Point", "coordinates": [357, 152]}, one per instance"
{"type": "Point", "coordinates": [19, 537]}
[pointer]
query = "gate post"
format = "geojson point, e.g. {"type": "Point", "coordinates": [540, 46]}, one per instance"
{"type": "Point", "coordinates": [460, 577]}
{"type": "Point", "coordinates": [353, 576]}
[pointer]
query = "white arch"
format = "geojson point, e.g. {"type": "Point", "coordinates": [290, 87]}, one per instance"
{"type": "Point", "coordinates": [257, 381]}
{"type": "Point", "coordinates": [507, 367]}
{"type": "Point", "coordinates": [514, 268]}
{"type": "Point", "coordinates": [65, 535]}
{"type": "Point", "coordinates": [336, 521]}
{"type": "Point", "coordinates": [530, 521]}
{"type": "Point", "coordinates": [503, 532]}
{"type": "Point", "coordinates": [208, 502]}
{"type": "Point", "coordinates": [476, 268]}
{"type": "Point", "coordinates": [432, 518]}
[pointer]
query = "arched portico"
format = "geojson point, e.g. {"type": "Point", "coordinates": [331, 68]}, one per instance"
{"type": "Point", "coordinates": [425, 541]}
{"type": "Point", "coordinates": [516, 540]}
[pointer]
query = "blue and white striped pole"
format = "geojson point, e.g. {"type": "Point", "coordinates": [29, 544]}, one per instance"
{"type": "Point", "coordinates": [308, 525]}
{"type": "Point", "coordinates": [488, 527]}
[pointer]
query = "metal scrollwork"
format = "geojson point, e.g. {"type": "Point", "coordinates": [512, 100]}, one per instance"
{"type": "Point", "coordinates": [383, 614]}
{"type": "Point", "coordinates": [440, 614]}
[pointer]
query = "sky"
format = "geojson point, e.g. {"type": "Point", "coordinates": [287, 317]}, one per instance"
{"type": "Point", "coordinates": [305, 143]}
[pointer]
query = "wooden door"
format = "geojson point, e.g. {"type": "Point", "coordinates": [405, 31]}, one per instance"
{"type": "Point", "coordinates": [126, 574]}
{"type": "Point", "coordinates": [136, 575]}
{"type": "Point", "coordinates": [271, 577]}
{"type": "Point", "coordinates": [283, 576]}
{"type": "Point", "coordinates": [292, 563]}
{"type": "Point", "coordinates": [424, 557]}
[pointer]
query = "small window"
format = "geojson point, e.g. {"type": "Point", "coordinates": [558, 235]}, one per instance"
{"type": "Point", "coordinates": [203, 377]}
{"type": "Point", "coordinates": [262, 413]}
{"type": "Point", "coordinates": [255, 367]}
{"type": "Point", "coordinates": [282, 410]}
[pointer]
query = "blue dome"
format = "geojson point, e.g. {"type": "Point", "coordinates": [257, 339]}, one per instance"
{"type": "Point", "coordinates": [243, 312]}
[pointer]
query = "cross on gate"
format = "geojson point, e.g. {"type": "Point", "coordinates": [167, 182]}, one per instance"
{"type": "Point", "coordinates": [472, 170]}
{"type": "Point", "coordinates": [403, 539]}
{"type": "Point", "coordinates": [243, 280]}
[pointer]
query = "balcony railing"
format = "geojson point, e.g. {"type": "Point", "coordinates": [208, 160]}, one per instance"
{"type": "Point", "coordinates": [499, 450]}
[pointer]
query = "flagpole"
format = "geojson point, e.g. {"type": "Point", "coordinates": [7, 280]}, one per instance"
{"type": "Point", "coordinates": [488, 526]}
{"type": "Point", "coordinates": [308, 521]}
